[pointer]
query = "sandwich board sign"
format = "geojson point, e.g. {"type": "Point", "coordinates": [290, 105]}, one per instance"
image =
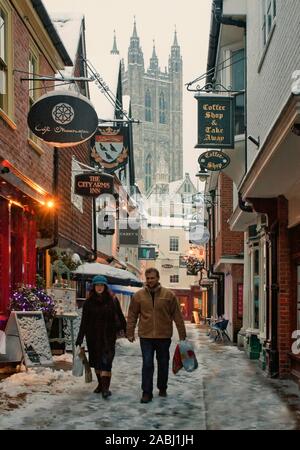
{"type": "Point", "coordinates": [27, 339]}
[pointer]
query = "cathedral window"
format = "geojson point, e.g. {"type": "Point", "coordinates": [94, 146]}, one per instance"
{"type": "Point", "coordinates": [148, 173]}
{"type": "Point", "coordinates": [162, 108]}
{"type": "Point", "coordinates": [148, 107]}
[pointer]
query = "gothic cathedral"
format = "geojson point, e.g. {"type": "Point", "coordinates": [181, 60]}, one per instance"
{"type": "Point", "coordinates": [156, 100]}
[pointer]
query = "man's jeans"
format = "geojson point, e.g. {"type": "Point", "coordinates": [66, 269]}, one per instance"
{"type": "Point", "coordinates": [149, 346]}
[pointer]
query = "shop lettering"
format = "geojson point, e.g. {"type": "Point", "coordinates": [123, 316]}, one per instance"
{"type": "Point", "coordinates": [214, 107]}
{"type": "Point", "coordinates": [60, 130]}
{"type": "Point", "coordinates": [211, 138]}
{"type": "Point", "coordinates": [214, 116]}
{"type": "Point", "coordinates": [214, 130]}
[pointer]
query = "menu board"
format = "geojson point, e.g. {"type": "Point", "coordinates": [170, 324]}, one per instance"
{"type": "Point", "coordinates": [26, 338]}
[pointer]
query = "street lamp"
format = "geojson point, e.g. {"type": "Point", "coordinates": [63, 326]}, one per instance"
{"type": "Point", "coordinates": [202, 174]}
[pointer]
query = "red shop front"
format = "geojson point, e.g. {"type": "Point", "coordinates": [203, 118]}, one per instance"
{"type": "Point", "coordinates": [18, 233]}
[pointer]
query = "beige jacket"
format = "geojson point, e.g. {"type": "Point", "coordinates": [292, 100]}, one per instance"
{"type": "Point", "coordinates": [155, 318]}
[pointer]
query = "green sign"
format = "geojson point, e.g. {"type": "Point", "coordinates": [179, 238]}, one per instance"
{"type": "Point", "coordinates": [213, 160]}
{"type": "Point", "coordinates": [215, 121]}
{"type": "Point", "coordinates": [147, 253]}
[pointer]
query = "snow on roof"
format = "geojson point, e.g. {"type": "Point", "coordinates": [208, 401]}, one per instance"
{"type": "Point", "coordinates": [108, 68]}
{"type": "Point", "coordinates": [69, 27]}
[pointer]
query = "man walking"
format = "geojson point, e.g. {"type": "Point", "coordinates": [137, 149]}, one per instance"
{"type": "Point", "coordinates": [156, 308]}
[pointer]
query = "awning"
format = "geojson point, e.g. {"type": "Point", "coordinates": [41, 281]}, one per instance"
{"type": "Point", "coordinates": [113, 275]}
{"type": "Point", "coordinates": [126, 290]}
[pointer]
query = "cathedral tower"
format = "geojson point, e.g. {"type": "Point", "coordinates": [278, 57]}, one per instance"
{"type": "Point", "coordinates": [156, 100]}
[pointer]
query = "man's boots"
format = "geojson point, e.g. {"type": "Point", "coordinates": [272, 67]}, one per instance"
{"type": "Point", "coordinates": [105, 386]}
{"type": "Point", "coordinates": [99, 387]}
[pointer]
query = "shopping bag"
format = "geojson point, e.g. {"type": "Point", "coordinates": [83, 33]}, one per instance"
{"type": "Point", "coordinates": [77, 369]}
{"type": "Point", "coordinates": [87, 370]}
{"type": "Point", "coordinates": [188, 357]}
{"type": "Point", "coordinates": [177, 363]}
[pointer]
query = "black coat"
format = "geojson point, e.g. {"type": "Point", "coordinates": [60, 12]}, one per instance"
{"type": "Point", "coordinates": [102, 318]}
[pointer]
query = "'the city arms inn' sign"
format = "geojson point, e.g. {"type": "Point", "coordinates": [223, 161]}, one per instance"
{"type": "Point", "coordinates": [215, 121]}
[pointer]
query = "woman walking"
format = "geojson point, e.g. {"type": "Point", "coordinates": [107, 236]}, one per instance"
{"type": "Point", "coordinates": [102, 319]}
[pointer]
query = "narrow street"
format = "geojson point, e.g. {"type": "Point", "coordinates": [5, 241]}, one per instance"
{"type": "Point", "coordinates": [227, 391]}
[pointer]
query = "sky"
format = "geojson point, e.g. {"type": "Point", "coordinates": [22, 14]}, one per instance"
{"type": "Point", "coordinates": [155, 20]}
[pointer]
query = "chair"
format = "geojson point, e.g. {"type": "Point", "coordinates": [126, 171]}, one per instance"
{"type": "Point", "coordinates": [220, 328]}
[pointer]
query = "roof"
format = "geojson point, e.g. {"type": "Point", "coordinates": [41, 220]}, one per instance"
{"type": "Point", "coordinates": [44, 16]}
{"type": "Point", "coordinates": [69, 27]}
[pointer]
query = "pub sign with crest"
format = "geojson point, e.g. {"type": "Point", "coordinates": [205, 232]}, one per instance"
{"type": "Point", "coordinates": [110, 148]}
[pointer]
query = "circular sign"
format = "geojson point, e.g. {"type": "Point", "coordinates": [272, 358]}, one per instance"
{"type": "Point", "coordinates": [213, 160]}
{"type": "Point", "coordinates": [63, 118]}
{"type": "Point", "coordinates": [199, 234]}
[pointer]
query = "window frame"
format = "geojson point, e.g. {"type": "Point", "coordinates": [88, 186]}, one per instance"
{"type": "Point", "coordinates": [174, 244]}
{"type": "Point", "coordinates": [33, 85]}
{"type": "Point", "coordinates": [174, 279]}
{"type": "Point", "coordinates": [162, 109]}
{"type": "Point", "coordinates": [148, 106]}
{"type": "Point", "coordinates": [6, 105]}
{"type": "Point", "coordinates": [269, 13]}
{"type": "Point", "coordinates": [148, 172]}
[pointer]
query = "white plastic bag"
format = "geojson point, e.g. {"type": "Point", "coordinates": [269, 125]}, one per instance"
{"type": "Point", "coordinates": [77, 369]}
{"type": "Point", "coordinates": [2, 343]}
{"type": "Point", "coordinates": [188, 356]}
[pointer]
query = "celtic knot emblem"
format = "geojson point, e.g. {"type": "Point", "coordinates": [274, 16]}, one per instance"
{"type": "Point", "coordinates": [63, 113]}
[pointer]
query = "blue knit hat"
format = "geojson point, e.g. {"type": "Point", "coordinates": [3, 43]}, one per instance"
{"type": "Point", "coordinates": [100, 279]}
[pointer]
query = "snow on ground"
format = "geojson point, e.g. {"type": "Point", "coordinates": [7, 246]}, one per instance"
{"type": "Point", "coordinates": [227, 391]}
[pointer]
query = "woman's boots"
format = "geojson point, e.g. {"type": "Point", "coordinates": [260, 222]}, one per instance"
{"type": "Point", "coordinates": [99, 387]}
{"type": "Point", "coordinates": [103, 384]}
{"type": "Point", "coordinates": [105, 380]}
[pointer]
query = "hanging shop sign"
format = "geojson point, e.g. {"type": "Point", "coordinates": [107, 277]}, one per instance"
{"type": "Point", "coordinates": [93, 184]}
{"type": "Point", "coordinates": [129, 233]}
{"type": "Point", "coordinates": [215, 122]}
{"type": "Point", "coordinates": [199, 234]}
{"type": "Point", "coordinates": [213, 160]}
{"type": "Point", "coordinates": [106, 223]}
{"type": "Point", "coordinates": [110, 148]}
{"type": "Point", "coordinates": [147, 253]}
{"type": "Point", "coordinates": [63, 119]}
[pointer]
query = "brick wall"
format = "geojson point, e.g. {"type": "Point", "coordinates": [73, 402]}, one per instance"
{"type": "Point", "coordinates": [227, 242]}
{"type": "Point", "coordinates": [13, 144]}
{"type": "Point", "coordinates": [285, 301]}
{"type": "Point", "coordinates": [237, 272]}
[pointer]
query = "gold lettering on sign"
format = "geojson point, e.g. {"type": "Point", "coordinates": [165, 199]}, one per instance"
{"type": "Point", "coordinates": [214, 116]}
